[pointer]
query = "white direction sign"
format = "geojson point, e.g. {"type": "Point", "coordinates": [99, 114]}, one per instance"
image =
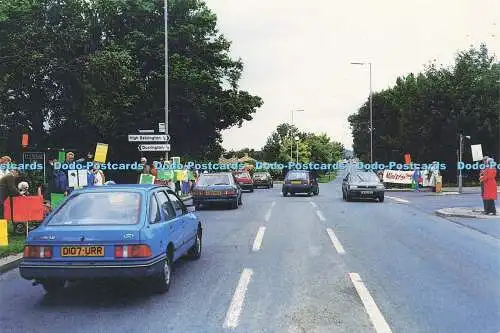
{"type": "Point", "coordinates": [159, 147]}
{"type": "Point", "coordinates": [148, 138]}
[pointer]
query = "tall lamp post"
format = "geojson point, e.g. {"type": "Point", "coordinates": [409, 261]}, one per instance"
{"type": "Point", "coordinates": [460, 156]}
{"type": "Point", "coordinates": [371, 107]}
{"type": "Point", "coordinates": [291, 143]}
{"type": "Point", "coordinates": [166, 73]}
{"type": "Point", "coordinates": [297, 141]}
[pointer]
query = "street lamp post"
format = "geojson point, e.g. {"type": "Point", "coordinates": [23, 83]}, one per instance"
{"type": "Point", "coordinates": [297, 141]}
{"type": "Point", "coordinates": [371, 107]}
{"type": "Point", "coordinates": [291, 143]}
{"type": "Point", "coordinates": [166, 73]}
{"type": "Point", "coordinates": [460, 156]}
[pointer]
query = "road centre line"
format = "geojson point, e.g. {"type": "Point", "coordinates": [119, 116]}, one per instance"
{"type": "Point", "coordinates": [371, 307]}
{"type": "Point", "coordinates": [258, 239]}
{"type": "Point", "coordinates": [313, 204]}
{"type": "Point", "coordinates": [336, 243]}
{"type": "Point", "coordinates": [236, 306]}
{"type": "Point", "coordinates": [320, 215]}
{"type": "Point", "coordinates": [268, 214]}
{"type": "Point", "coordinates": [397, 199]}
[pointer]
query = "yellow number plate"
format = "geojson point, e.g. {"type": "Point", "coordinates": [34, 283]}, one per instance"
{"type": "Point", "coordinates": [82, 251]}
{"type": "Point", "coordinates": [296, 182]}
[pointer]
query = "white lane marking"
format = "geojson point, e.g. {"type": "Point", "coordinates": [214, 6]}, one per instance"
{"type": "Point", "coordinates": [234, 311]}
{"type": "Point", "coordinates": [268, 214]}
{"type": "Point", "coordinates": [371, 307]}
{"type": "Point", "coordinates": [335, 241]}
{"type": "Point", "coordinates": [258, 239]}
{"type": "Point", "coordinates": [397, 199]}
{"type": "Point", "coordinates": [313, 204]}
{"type": "Point", "coordinates": [320, 215]}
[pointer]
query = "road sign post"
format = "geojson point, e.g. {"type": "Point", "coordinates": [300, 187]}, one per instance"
{"type": "Point", "coordinates": [154, 147]}
{"type": "Point", "coordinates": [148, 138]}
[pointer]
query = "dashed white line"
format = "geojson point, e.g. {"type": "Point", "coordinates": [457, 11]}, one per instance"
{"type": "Point", "coordinates": [320, 215]}
{"type": "Point", "coordinates": [313, 204]}
{"type": "Point", "coordinates": [268, 214]}
{"type": "Point", "coordinates": [397, 199]}
{"type": "Point", "coordinates": [371, 307]}
{"type": "Point", "coordinates": [335, 241]}
{"type": "Point", "coordinates": [236, 306]}
{"type": "Point", "coordinates": [258, 239]}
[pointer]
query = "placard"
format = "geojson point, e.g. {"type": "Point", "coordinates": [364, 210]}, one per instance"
{"type": "Point", "coordinates": [26, 208]}
{"type": "Point", "coordinates": [407, 159]}
{"type": "Point", "coordinates": [77, 178]}
{"type": "Point", "coordinates": [61, 157]}
{"type": "Point", "coordinates": [146, 179]}
{"type": "Point", "coordinates": [56, 199]}
{"type": "Point", "coordinates": [477, 152]}
{"type": "Point", "coordinates": [101, 151]}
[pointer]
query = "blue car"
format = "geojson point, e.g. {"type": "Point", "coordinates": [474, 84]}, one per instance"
{"type": "Point", "coordinates": [120, 231]}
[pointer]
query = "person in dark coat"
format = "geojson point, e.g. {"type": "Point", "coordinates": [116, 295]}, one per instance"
{"type": "Point", "coordinates": [8, 188]}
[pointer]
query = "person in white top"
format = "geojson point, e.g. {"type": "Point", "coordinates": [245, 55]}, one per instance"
{"type": "Point", "coordinates": [4, 160]}
{"type": "Point", "coordinates": [98, 177]}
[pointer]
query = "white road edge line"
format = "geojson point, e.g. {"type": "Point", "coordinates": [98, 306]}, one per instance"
{"type": "Point", "coordinates": [313, 204]}
{"type": "Point", "coordinates": [258, 239]}
{"type": "Point", "coordinates": [234, 311]}
{"type": "Point", "coordinates": [371, 307]}
{"type": "Point", "coordinates": [336, 243]}
{"type": "Point", "coordinates": [268, 214]}
{"type": "Point", "coordinates": [397, 199]}
{"type": "Point", "coordinates": [320, 215]}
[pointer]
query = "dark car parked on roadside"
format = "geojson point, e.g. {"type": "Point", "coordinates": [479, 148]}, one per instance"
{"type": "Point", "coordinates": [362, 185]}
{"type": "Point", "coordinates": [213, 188]}
{"type": "Point", "coordinates": [263, 179]}
{"type": "Point", "coordinates": [300, 181]}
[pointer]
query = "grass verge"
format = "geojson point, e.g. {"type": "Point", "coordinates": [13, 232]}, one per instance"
{"type": "Point", "coordinates": [16, 243]}
{"type": "Point", "coordinates": [328, 177]}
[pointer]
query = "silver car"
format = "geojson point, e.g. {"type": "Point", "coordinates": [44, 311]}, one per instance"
{"type": "Point", "coordinates": [362, 185]}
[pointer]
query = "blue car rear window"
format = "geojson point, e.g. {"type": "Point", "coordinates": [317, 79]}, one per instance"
{"type": "Point", "coordinates": [100, 208]}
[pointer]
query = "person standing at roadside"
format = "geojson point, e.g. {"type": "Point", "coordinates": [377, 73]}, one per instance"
{"type": "Point", "coordinates": [481, 175]}
{"type": "Point", "coordinates": [490, 187]}
{"type": "Point", "coordinates": [416, 178]}
{"type": "Point", "coordinates": [8, 188]}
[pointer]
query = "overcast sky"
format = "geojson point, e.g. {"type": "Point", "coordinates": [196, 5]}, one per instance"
{"type": "Point", "coordinates": [297, 53]}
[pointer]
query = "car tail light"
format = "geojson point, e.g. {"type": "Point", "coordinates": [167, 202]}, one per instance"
{"type": "Point", "coordinates": [39, 252]}
{"type": "Point", "coordinates": [306, 182]}
{"type": "Point", "coordinates": [132, 251]}
{"type": "Point", "coordinates": [287, 182]}
{"type": "Point", "coordinates": [230, 192]}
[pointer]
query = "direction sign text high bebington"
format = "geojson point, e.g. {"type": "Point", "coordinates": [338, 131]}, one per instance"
{"type": "Point", "coordinates": [148, 138]}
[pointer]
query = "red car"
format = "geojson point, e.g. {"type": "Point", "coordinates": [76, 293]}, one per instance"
{"type": "Point", "coordinates": [244, 179]}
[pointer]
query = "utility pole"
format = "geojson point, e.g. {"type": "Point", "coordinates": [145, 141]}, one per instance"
{"type": "Point", "coordinates": [166, 73]}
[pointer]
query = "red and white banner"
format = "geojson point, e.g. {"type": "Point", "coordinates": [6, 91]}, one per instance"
{"type": "Point", "coordinates": [397, 176]}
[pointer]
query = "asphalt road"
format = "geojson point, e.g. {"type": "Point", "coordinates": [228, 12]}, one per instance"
{"type": "Point", "coordinates": [389, 263]}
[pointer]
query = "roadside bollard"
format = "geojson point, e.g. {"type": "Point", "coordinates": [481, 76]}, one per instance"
{"type": "Point", "coordinates": [4, 235]}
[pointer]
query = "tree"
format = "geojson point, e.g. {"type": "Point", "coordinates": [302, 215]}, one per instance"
{"type": "Point", "coordinates": [75, 72]}
{"type": "Point", "coordinates": [422, 114]}
{"type": "Point", "coordinates": [273, 149]}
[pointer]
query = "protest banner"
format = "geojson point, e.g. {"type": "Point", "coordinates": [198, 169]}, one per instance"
{"type": "Point", "coordinates": [397, 176]}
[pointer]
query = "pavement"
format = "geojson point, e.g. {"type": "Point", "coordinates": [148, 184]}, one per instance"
{"type": "Point", "coordinates": [295, 264]}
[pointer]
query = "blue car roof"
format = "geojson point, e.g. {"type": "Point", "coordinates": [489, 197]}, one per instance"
{"type": "Point", "coordinates": [133, 187]}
